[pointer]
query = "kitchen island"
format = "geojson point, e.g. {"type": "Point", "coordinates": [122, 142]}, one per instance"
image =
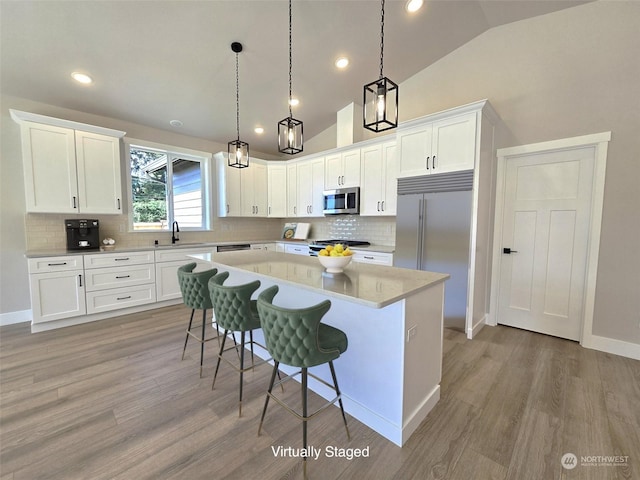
{"type": "Point", "coordinates": [390, 374]}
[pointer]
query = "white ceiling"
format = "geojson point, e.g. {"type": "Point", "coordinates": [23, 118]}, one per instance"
{"type": "Point", "coordinates": [153, 62]}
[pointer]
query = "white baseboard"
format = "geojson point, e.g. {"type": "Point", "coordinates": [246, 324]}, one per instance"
{"type": "Point", "coordinates": [612, 345]}
{"type": "Point", "coordinates": [476, 327]}
{"type": "Point", "coordinates": [19, 316]}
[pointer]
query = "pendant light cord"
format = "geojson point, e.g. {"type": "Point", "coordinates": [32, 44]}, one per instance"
{"type": "Point", "coordinates": [237, 100]}
{"type": "Point", "coordinates": [381, 39]}
{"type": "Point", "coordinates": [290, 113]}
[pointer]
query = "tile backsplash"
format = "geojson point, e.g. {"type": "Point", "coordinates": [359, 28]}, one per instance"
{"type": "Point", "coordinates": [47, 231]}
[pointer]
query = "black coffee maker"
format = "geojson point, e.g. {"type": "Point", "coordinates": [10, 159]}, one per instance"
{"type": "Point", "coordinates": [82, 234]}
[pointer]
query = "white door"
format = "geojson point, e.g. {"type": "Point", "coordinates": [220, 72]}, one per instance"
{"type": "Point", "coordinates": [546, 218]}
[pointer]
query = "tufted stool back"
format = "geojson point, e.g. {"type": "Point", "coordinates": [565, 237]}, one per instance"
{"type": "Point", "coordinates": [193, 286]}
{"type": "Point", "coordinates": [295, 336]}
{"type": "Point", "coordinates": [234, 309]}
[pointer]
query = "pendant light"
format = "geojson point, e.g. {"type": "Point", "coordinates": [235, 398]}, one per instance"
{"type": "Point", "coordinates": [290, 129]}
{"type": "Point", "coordinates": [238, 150]}
{"type": "Point", "coordinates": [380, 101]}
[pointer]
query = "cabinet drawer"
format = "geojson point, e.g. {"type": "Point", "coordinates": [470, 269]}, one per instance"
{"type": "Point", "coordinates": [115, 298]}
{"type": "Point", "coordinates": [375, 258]}
{"type": "Point", "coordinates": [297, 249]}
{"type": "Point", "coordinates": [180, 254]}
{"type": "Point", "coordinates": [99, 260]}
{"type": "Point", "coordinates": [55, 264]}
{"type": "Point", "coordinates": [112, 277]}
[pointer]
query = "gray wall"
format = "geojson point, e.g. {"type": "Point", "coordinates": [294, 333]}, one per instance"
{"type": "Point", "coordinates": [565, 74]}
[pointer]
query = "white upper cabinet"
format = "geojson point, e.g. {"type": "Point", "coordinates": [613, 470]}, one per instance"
{"type": "Point", "coordinates": [242, 192]}
{"type": "Point", "coordinates": [229, 201]}
{"type": "Point", "coordinates": [253, 184]}
{"type": "Point", "coordinates": [277, 190]}
{"type": "Point", "coordinates": [70, 167]}
{"type": "Point", "coordinates": [342, 169]}
{"type": "Point", "coordinates": [442, 146]}
{"type": "Point", "coordinates": [379, 180]}
{"type": "Point", "coordinates": [310, 187]}
{"type": "Point", "coordinates": [292, 190]}
{"type": "Point", "coordinates": [99, 180]}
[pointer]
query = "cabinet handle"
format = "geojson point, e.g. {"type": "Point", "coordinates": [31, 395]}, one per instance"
{"type": "Point", "coordinates": [433, 162]}
{"type": "Point", "coordinates": [269, 213]}
{"type": "Point", "coordinates": [342, 179]}
{"type": "Point", "coordinates": [338, 180]}
{"type": "Point", "coordinates": [121, 259]}
{"type": "Point", "coordinates": [74, 202]}
{"type": "Point", "coordinates": [378, 208]}
{"type": "Point", "coordinates": [295, 209]}
{"type": "Point", "coordinates": [227, 208]}
{"type": "Point", "coordinates": [123, 298]}
{"type": "Point", "coordinates": [80, 280]}
{"type": "Point", "coordinates": [56, 264]}
{"type": "Point", "coordinates": [382, 205]}
{"type": "Point", "coordinates": [368, 258]}
{"type": "Point", "coordinates": [428, 162]}
{"type": "Point", "coordinates": [118, 204]}
{"type": "Point", "coordinates": [123, 276]}
{"type": "Point", "coordinates": [256, 209]}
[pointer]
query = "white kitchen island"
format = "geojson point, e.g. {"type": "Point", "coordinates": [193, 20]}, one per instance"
{"type": "Point", "coordinates": [390, 374]}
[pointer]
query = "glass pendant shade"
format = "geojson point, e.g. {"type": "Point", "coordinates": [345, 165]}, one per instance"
{"type": "Point", "coordinates": [238, 154]}
{"type": "Point", "coordinates": [380, 105]}
{"type": "Point", "coordinates": [290, 136]}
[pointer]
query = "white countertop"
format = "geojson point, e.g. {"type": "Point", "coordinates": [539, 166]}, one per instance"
{"type": "Point", "coordinates": [370, 285]}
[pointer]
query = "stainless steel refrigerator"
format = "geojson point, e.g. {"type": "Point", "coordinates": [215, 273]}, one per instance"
{"type": "Point", "coordinates": [433, 233]}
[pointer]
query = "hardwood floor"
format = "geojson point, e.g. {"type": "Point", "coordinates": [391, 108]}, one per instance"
{"type": "Point", "coordinates": [113, 400]}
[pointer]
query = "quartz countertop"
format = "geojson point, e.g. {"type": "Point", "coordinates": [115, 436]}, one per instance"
{"type": "Point", "coordinates": [374, 286]}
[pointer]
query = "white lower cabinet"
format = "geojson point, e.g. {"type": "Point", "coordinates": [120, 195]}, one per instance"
{"type": "Point", "coordinates": [115, 298]}
{"type": "Point", "coordinates": [297, 249]}
{"type": "Point", "coordinates": [167, 264]}
{"type": "Point", "coordinates": [119, 280]}
{"type": "Point", "coordinates": [375, 258]}
{"type": "Point", "coordinates": [57, 295]}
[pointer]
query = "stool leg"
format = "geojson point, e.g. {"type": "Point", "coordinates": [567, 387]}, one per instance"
{"type": "Point", "coordinates": [251, 340]}
{"type": "Point", "coordinates": [304, 419]}
{"type": "Point", "coordinates": [266, 401]}
{"type": "Point", "coordinates": [335, 383]}
{"type": "Point", "coordinates": [193, 310]}
{"type": "Point", "coordinates": [242, 335]}
{"type": "Point", "coordinates": [204, 323]}
{"type": "Point", "coordinates": [219, 358]}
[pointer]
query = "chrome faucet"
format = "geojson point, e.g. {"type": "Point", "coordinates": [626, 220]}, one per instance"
{"type": "Point", "coordinates": [174, 229]}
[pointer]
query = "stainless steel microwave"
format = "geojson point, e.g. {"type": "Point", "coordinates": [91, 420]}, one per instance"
{"type": "Point", "coordinates": [342, 201]}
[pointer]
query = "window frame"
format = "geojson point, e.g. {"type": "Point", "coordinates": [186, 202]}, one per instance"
{"type": "Point", "coordinates": [172, 152]}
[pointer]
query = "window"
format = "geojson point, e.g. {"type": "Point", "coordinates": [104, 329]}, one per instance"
{"type": "Point", "coordinates": [168, 184]}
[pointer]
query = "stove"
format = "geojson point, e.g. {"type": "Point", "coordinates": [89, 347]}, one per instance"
{"type": "Point", "coordinates": [318, 245]}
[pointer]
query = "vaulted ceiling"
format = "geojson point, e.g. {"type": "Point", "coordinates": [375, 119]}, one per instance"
{"type": "Point", "coordinates": [153, 62]}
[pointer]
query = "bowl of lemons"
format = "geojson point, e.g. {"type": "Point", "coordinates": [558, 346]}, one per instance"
{"type": "Point", "coordinates": [335, 257]}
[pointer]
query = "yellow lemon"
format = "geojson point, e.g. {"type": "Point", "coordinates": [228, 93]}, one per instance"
{"type": "Point", "coordinates": [323, 253]}
{"type": "Point", "coordinates": [347, 252]}
{"type": "Point", "coordinates": [338, 248]}
{"type": "Point", "coordinates": [328, 248]}
{"type": "Point", "coordinates": [333, 253]}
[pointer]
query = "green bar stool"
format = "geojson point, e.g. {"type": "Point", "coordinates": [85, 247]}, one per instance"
{"type": "Point", "coordinates": [235, 312]}
{"type": "Point", "coordinates": [296, 338]}
{"type": "Point", "coordinates": [195, 295]}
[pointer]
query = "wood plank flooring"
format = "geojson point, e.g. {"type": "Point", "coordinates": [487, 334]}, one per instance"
{"type": "Point", "coordinates": [113, 400]}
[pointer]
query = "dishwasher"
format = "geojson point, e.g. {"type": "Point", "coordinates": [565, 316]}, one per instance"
{"type": "Point", "coordinates": [233, 248]}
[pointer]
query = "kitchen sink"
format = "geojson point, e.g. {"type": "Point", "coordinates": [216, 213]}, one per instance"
{"type": "Point", "coordinates": [182, 244]}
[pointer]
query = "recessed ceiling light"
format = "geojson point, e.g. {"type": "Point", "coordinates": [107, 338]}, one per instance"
{"type": "Point", "coordinates": [293, 102]}
{"type": "Point", "coordinates": [82, 78]}
{"type": "Point", "coordinates": [175, 123]}
{"type": "Point", "coordinates": [258, 130]}
{"type": "Point", "coordinates": [413, 5]}
{"type": "Point", "coordinates": [342, 62]}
